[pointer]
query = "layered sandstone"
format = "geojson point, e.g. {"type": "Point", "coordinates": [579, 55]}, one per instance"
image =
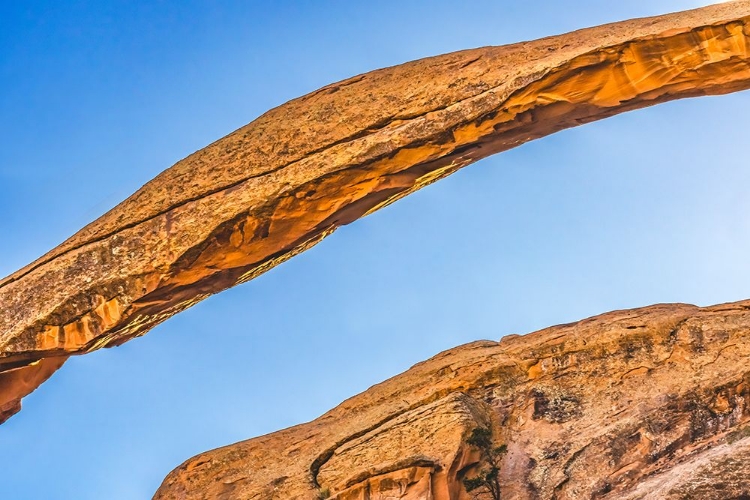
{"type": "Point", "coordinates": [650, 403]}
{"type": "Point", "coordinates": [282, 183]}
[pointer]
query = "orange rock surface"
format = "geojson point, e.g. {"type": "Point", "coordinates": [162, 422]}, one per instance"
{"type": "Point", "coordinates": [650, 403]}
{"type": "Point", "coordinates": [288, 179]}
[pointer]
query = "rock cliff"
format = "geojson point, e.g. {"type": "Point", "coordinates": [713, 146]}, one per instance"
{"type": "Point", "coordinates": [650, 403]}
{"type": "Point", "coordinates": [282, 183]}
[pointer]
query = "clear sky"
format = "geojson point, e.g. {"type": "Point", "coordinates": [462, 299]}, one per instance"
{"type": "Point", "coordinates": [97, 97]}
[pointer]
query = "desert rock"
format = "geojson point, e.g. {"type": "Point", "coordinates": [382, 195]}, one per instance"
{"type": "Point", "coordinates": [651, 403]}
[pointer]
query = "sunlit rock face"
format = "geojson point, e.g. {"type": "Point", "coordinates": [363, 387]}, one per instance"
{"type": "Point", "coordinates": [651, 403]}
{"type": "Point", "coordinates": [282, 183]}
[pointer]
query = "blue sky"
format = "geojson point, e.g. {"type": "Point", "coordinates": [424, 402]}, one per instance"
{"type": "Point", "coordinates": [98, 97]}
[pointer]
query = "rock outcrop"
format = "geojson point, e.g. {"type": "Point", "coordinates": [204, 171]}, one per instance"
{"type": "Point", "coordinates": [288, 179]}
{"type": "Point", "coordinates": [650, 403]}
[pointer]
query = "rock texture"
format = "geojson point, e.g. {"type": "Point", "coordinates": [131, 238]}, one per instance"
{"type": "Point", "coordinates": [280, 184]}
{"type": "Point", "coordinates": [650, 403]}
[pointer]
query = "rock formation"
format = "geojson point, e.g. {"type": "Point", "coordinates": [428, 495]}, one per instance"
{"type": "Point", "coordinates": [280, 184]}
{"type": "Point", "coordinates": [650, 403]}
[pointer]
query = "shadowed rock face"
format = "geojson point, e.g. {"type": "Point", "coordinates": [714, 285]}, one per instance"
{"type": "Point", "coordinates": [282, 183]}
{"type": "Point", "coordinates": [650, 403]}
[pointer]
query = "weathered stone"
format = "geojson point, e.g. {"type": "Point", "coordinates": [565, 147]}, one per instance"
{"type": "Point", "coordinates": [650, 403]}
{"type": "Point", "coordinates": [288, 179]}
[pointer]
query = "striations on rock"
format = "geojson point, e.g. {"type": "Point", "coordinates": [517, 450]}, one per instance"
{"type": "Point", "coordinates": [282, 183]}
{"type": "Point", "coordinates": [650, 403]}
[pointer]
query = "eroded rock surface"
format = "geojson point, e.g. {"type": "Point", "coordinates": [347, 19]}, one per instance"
{"type": "Point", "coordinates": [280, 184]}
{"type": "Point", "coordinates": [651, 403]}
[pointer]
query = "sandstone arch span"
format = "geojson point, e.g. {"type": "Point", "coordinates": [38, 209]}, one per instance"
{"type": "Point", "coordinates": [280, 184]}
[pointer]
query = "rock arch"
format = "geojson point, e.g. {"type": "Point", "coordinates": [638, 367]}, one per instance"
{"type": "Point", "coordinates": [277, 186]}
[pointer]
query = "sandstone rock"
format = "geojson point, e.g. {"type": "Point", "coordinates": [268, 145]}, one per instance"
{"type": "Point", "coordinates": [288, 179]}
{"type": "Point", "coordinates": [651, 403]}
